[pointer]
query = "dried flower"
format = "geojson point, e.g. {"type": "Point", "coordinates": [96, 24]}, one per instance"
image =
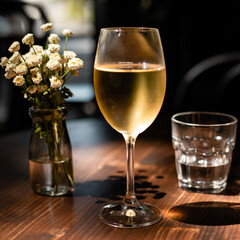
{"type": "Point", "coordinates": [34, 60]}
{"type": "Point", "coordinates": [54, 47]}
{"type": "Point", "coordinates": [14, 58]}
{"type": "Point", "coordinates": [21, 69]}
{"type": "Point", "coordinates": [53, 64]}
{"type": "Point", "coordinates": [19, 80]}
{"type": "Point", "coordinates": [69, 55]}
{"type": "Point", "coordinates": [75, 63]}
{"type": "Point", "coordinates": [67, 32]}
{"type": "Point", "coordinates": [9, 74]}
{"type": "Point", "coordinates": [56, 82]}
{"type": "Point", "coordinates": [25, 57]}
{"type": "Point", "coordinates": [42, 72]}
{"type": "Point", "coordinates": [54, 38]}
{"type": "Point", "coordinates": [4, 61]}
{"type": "Point", "coordinates": [34, 70]}
{"type": "Point", "coordinates": [32, 89]}
{"type": "Point", "coordinates": [28, 39]}
{"type": "Point", "coordinates": [55, 56]}
{"type": "Point", "coordinates": [14, 47]}
{"type": "Point", "coordinates": [10, 67]}
{"type": "Point", "coordinates": [36, 49]}
{"type": "Point", "coordinates": [37, 78]}
{"type": "Point", "coordinates": [42, 88]}
{"type": "Point", "coordinates": [46, 27]}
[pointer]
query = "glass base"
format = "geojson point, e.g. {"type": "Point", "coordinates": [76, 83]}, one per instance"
{"type": "Point", "coordinates": [125, 216]}
{"type": "Point", "coordinates": [51, 191]}
{"type": "Point", "coordinates": [201, 187]}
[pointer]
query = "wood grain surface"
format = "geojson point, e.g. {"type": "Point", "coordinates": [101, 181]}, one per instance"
{"type": "Point", "coordinates": [99, 172]}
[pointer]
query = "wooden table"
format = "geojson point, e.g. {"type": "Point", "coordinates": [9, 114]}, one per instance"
{"type": "Point", "coordinates": [99, 171]}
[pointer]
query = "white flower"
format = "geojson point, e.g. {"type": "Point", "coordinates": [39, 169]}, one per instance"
{"type": "Point", "coordinates": [15, 57]}
{"type": "Point", "coordinates": [10, 67]}
{"type": "Point", "coordinates": [54, 47]}
{"type": "Point", "coordinates": [56, 82]}
{"type": "Point", "coordinates": [21, 69]}
{"type": "Point", "coordinates": [75, 63]}
{"type": "Point", "coordinates": [42, 71]}
{"type": "Point", "coordinates": [34, 60]}
{"type": "Point", "coordinates": [42, 88]}
{"type": "Point", "coordinates": [4, 61]}
{"type": "Point", "coordinates": [37, 78]}
{"type": "Point", "coordinates": [46, 27]}
{"type": "Point", "coordinates": [26, 57]}
{"type": "Point", "coordinates": [54, 38]}
{"type": "Point", "coordinates": [28, 39]}
{"type": "Point", "coordinates": [19, 80]}
{"type": "Point", "coordinates": [32, 89]}
{"type": "Point", "coordinates": [69, 55]}
{"type": "Point", "coordinates": [67, 32]}
{"type": "Point", "coordinates": [34, 70]}
{"type": "Point", "coordinates": [36, 49]}
{"type": "Point", "coordinates": [53, 64]}
{"type": "Point", "coordinates": [9, 74]}
{"type": "Point", "coordinates": [46, 52]}
{"type": "Point", "coordinates": [14, 47]}
{"type": "Point", "coordinates": [55, 56]}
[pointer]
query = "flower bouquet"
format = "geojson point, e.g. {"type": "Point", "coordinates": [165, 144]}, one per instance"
{"type": "Point", "coordinates": [42, 73]}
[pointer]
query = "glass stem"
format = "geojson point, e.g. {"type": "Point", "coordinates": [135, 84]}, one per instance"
{"type": "Point", "coordinates": [130, 197]}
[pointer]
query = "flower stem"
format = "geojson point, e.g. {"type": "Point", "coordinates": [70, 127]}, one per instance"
{"type": "Point", "coordinates": [23, 58]}
{"type": "Point", "coordinates": [47, 42]}
{"type": "Point", "coordinates": [33, 49]}
{"type": "Point", "coordinates": [65, 45]}
{"type": "Point", "coordinates": [65, 73]}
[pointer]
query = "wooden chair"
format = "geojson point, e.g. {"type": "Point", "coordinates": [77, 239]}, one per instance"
{"type": "Point", "coordinates": [210, 85]}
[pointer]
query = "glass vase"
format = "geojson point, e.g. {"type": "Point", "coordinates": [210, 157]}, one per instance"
{"type": "Point", "coordinates": [50, 152]}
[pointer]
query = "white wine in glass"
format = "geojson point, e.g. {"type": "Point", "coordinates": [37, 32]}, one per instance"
{"type": "Point", "coordinates": [130, 84]}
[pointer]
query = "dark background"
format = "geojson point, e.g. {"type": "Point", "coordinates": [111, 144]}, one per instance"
{"type": "Point", "coordinates": [191, 31]}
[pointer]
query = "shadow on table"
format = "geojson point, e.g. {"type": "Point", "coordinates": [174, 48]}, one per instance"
{"type": "Point", "coordinates": [207, 213]}
{"type": "Point", "coordinates": [114, 187]}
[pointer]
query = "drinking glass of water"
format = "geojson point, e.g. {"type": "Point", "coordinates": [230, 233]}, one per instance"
{"type": "Point", "coordinates": [203, 144]}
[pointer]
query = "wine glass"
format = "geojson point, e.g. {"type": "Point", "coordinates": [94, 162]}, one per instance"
{"type": "Point", "coordinates": [129, 83]}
